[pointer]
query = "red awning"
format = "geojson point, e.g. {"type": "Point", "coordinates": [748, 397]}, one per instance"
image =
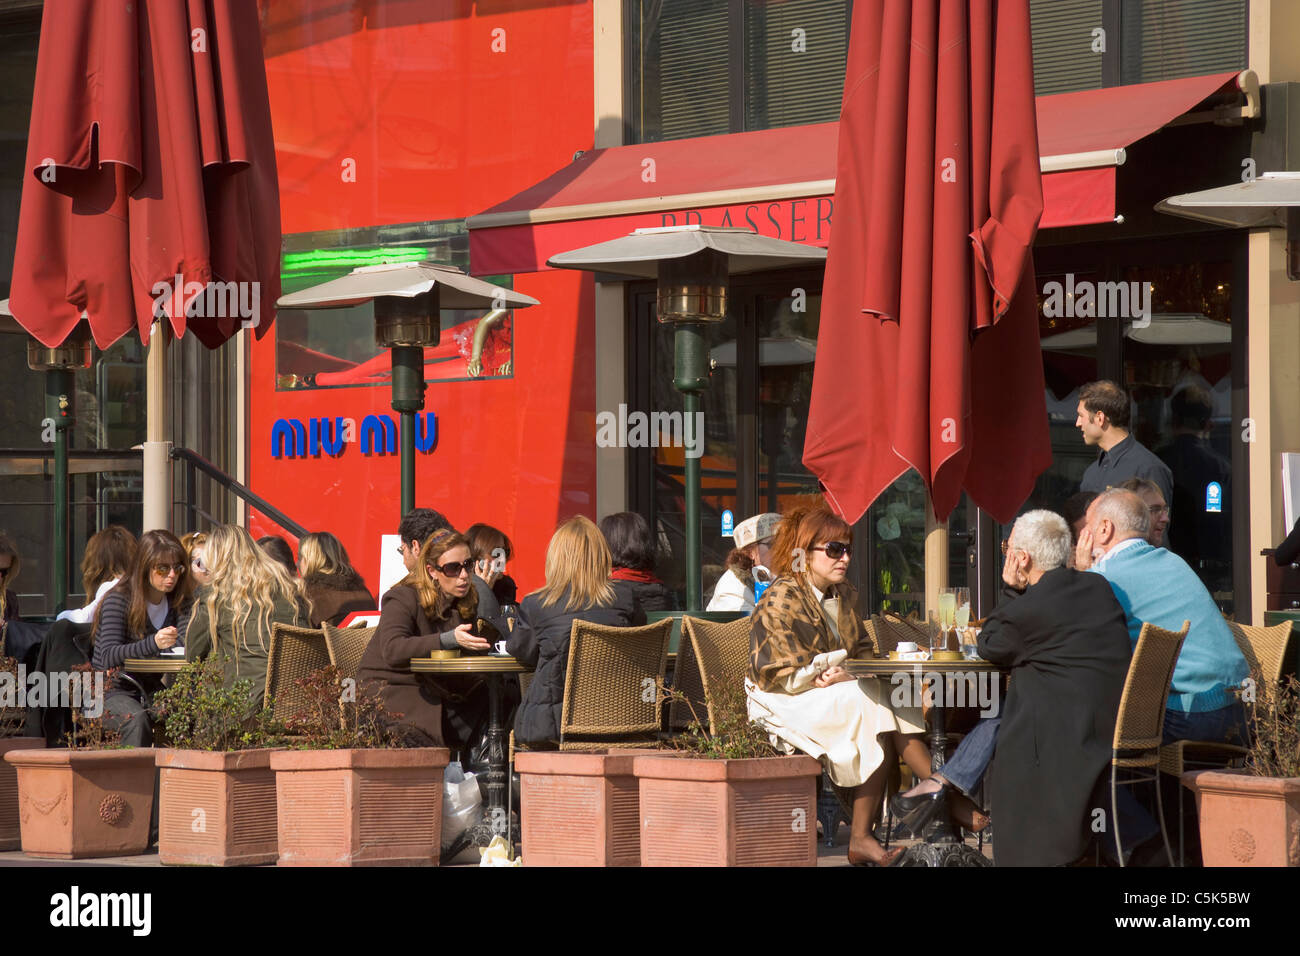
{"type": "Point", "coordinates": [780, 181]}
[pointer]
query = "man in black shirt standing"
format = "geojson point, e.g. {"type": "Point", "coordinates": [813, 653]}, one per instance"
{"type": "Point", "coordinates": [1103, 418]}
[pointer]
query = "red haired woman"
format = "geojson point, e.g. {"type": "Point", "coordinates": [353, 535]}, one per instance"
{"type": "Point", "coordinates": [805, 626]}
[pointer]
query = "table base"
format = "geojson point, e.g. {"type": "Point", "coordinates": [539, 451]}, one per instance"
{"type": "Point", "coordinates": [942, 854]}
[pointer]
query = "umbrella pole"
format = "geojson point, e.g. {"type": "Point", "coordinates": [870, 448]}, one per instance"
{"type": "Point", "coordinates": [59, 397]}
{"type": "Point", "coordinates": [692, 377]}
{"type": "Point", "coordinates": [936, 556]}
{"type": "Point", "coordinates": [157, 448]}
{"type": "Point", "coordinates": [408, 399]}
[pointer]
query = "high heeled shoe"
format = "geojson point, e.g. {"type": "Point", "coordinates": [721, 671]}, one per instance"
{"type": "Point", "coordinates": [915, 812]}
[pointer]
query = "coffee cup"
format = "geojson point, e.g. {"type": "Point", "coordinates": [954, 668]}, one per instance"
{"type": "Point", "coordinates": [906, 647]}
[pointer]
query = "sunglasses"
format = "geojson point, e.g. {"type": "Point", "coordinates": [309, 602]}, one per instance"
{"type": "Point", "coordinates": [836, 550]}
{"type": "Point", "coordinates": [454, 569]}
{"type": "Point", "coordinates": [1006, 547]}
{"type": "Point", "coordinates": [4, 572]}
{"type": "Point", "coordinates": [162, 570]}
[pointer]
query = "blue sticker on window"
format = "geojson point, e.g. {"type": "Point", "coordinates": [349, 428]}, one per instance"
{"type": "Point", "coordinates": [728, 523]}
{"type": "Point", "coordinates": [1214, 498]}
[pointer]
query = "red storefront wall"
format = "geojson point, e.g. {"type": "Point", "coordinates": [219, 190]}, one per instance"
{"type": "Point", "coordinates": [445, 111]}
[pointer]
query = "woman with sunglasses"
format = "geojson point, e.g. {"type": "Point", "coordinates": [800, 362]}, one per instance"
{"type": "Point", "coordinates": [145, 614]}
{"type": "Point", "coordinates": [435, 607]}
{"type": "Point", "coordinates": [747, 565]}
{"type": "Point", "coordinates": [247, 594]}
{"type": "Point", "coordinates": [195, 542]}
{"type": "Point", "coordinates": [805, 626]}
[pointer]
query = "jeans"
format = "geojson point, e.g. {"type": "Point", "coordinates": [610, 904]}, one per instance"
{"type": "Point", "coordinates": [966, 767]}
{"type": "Point", "coordinates": [1225, 725]}
{"type": "Point", "coordinates": [128, 717]}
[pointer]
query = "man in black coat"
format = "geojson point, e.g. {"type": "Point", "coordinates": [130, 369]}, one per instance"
{"type": "Point", "coordinates": [1066, 642]}
{"type": "Point", "coordinates": [1064, 637]}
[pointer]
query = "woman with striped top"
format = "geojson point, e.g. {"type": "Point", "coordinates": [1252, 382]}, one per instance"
{"type": "Point", "coordinates": [145, 614]}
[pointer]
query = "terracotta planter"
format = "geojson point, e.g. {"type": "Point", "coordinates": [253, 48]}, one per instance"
{"type": "Point", "coordinates": [1246, 820]}
{"type": "Point", "coordinates": [359, 807]}
{"type": "Point", "coordinates": [578, 809]}
{"type": "Point", "coordinates": [76, 804]}
{"type": "Point", "coordinates": [699, 812]}
{"type": "Point", "coordinates": [9, 835]}
{"type": "Point", "coordinates": [216, 809]}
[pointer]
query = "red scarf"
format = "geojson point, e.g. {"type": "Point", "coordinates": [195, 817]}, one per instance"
{"type": "Point", "coordinates": [631, 574]}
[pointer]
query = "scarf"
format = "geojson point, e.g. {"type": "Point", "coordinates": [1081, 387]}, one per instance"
{"type": "Point", "coordinates": [789, 630]}
{"type": "Point", "coordinates": [632, 574]}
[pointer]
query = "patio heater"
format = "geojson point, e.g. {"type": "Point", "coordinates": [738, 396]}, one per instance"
{"type": "Point", "coordinates": [1271, 200]}
{"type": "Point", "coordinates": [407, 297]}
{"type": "Point", "coordinates": [692, 265]}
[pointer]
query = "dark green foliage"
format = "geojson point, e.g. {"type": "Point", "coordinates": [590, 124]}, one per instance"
{"type": "Point", "coordinates": [199, 712]}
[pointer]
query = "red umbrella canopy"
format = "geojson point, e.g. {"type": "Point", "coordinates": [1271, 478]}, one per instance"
{"type": "Point", "coordinates": [928, 354]}
{"type": "Point", "coordinates": [152, 187]}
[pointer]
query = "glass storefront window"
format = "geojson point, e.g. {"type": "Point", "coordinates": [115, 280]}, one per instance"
{"type": "Point", "coordinates": [705, 67]}
{"type": "Point", "coordinates": [336, 348]}
{"type": "Point", "coordinates": [1176, 362]}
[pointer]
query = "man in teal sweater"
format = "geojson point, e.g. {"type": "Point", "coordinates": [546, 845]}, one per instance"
{"type": "Point", "coordinates": [1157, 586]}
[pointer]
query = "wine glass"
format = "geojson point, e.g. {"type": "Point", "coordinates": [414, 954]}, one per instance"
{"type": "Point", "coordinates": [947, 615]}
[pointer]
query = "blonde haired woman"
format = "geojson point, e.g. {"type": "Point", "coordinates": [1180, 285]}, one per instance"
{"type": "Point", "coordinates": [195, 542]}
{"type": "Point", "coordinates": [330, 582]}
{"type": "Point", "coordinates": [435, 607]}
{"type": "Point", "coordinates": [578, 564]}
{"type": "Point", "coordinates": [247, 593]}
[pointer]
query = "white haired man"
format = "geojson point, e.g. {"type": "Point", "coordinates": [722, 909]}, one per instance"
{"type": "Point", "coordinates": [1158, 586]}
{"type": "Point", "coordinates": [1065, 640]}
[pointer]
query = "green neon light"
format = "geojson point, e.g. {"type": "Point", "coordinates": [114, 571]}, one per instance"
{"type": "Point", "coordinates": [350, 258]}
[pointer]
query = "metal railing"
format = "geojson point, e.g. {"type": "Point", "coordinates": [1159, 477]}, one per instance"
{"type": "Point", "coordinates": [193, 463]}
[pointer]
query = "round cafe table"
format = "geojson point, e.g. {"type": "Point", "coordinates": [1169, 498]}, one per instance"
{"type": "Point", "coordinates": [941, 845]}
{"type": "Point", "coordinates": [167, 664]}
{"type": "Point", "coordinates": [493, 668]}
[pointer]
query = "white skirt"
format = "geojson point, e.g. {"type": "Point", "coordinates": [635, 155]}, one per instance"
{"type": "Point", "coordinates": [839, 724]}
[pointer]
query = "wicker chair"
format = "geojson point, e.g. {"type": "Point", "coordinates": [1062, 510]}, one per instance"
{"type": "Point", "coordinates": [688, 681]}
{"type": "Point", "coordinates": [295, 653]}
{"type": "Point", "coordinates": [1267, 651]}
{"type": "Point", "coordinates": [609, 672]}
{"type": "Point", "coordinates": [1139, 726]}
{"type": "Point", "coordinates": [722, 651]}
{"type": "Point", "coordinates": [346, 645]}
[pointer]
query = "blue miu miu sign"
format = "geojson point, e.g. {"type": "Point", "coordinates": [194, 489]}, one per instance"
{"type": "Point", "coordinates": [291, 438]}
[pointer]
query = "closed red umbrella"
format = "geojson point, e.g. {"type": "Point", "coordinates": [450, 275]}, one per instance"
{"type": "Point", "coordinates": [928, 354]}
{"type": "Point", "coordinates": [150, 156]}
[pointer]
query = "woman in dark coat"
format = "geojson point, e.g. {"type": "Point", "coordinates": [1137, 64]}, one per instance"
{"type": "Point", "coordinates": [332, 585]}
{"type": "Point", "coordinates": [577, 588]}
{"type": "Point", "coordinates": [1066, 642]}
{"type": "Point", "coordinates": [632, 550]}
{"type": "Point", "coordinates": [433, 608]}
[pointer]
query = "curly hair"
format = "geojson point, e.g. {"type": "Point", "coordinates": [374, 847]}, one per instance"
{"type": "Point", "coordinates": [246, 581]}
